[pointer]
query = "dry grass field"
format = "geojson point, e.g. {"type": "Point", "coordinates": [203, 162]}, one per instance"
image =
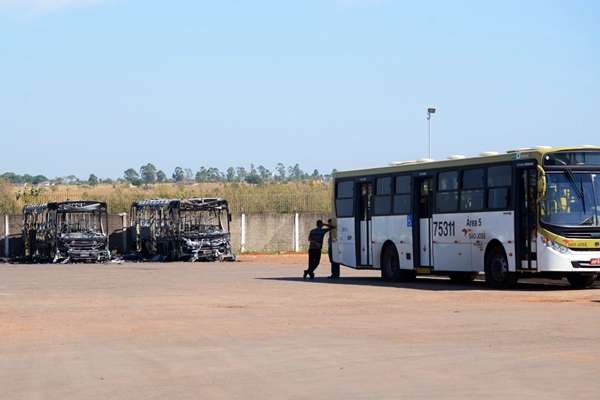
{"type": "Point", "coordinates": [313, 196]}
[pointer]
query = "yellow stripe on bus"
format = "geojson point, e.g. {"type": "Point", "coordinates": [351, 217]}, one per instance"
{"type": "Point", "coordinates": [571, 243]}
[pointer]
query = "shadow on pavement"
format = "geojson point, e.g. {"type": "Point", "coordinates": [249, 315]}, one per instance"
{"type": "Point", "coordinates": [432, 283]}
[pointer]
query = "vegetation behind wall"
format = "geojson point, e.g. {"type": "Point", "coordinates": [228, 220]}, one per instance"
{"type": "Point", "coordinates": [285, 197]}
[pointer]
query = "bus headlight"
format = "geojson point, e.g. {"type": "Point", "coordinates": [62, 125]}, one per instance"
{"type": "Point", "coordinates": [558, 247]}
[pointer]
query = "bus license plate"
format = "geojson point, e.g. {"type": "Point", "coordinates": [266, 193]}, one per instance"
{"type": "Point", "coordinates": [595, 261]}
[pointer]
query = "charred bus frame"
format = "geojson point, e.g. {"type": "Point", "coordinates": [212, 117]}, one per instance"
{"type": "Point", "coordinates": [73, 231]}
{"type": "Point", "coordinates": [192, 229]}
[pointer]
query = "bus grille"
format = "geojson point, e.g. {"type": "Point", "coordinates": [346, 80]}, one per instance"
{"type": "Point", "coordinates": [82, 245]}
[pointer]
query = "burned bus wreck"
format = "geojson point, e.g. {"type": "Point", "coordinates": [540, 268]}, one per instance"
{"type": "Point", "coordinates": [191, 229]}
{"type": "Point", "coordinates": [72, 231]}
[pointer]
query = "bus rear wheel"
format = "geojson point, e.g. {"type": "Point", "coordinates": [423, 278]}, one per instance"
{"type": "Point", "coordinates": [581, 280]}
{"type": "Point", "coordinates": [497, 273]}
{"type": "Point", "coordinates": [390, 264]}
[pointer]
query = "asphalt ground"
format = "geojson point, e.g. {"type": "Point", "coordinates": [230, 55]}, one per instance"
{"type": "Point", "coordinates": [255, 330]}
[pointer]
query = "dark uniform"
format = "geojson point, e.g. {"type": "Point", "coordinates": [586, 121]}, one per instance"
{"type": "Point", "coordinates": [315, 247]}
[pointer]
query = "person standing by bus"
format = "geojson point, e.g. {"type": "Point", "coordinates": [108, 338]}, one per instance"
{"type": "Point", "coordinates": [335, 267]}
{"type": "Point", "coordinates": [315, 239]}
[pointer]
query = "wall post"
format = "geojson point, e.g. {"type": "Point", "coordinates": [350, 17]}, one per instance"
{"type": "Point", "coordinates": [243, 234]}
{"type": "Point", "coordinates": [6, 236]}
{"type": "Point", "coordinates": [297, 233]}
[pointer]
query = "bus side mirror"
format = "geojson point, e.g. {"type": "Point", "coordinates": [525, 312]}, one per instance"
{"type": "Point", "coordinates": [229, 217]}
{"type": "Point", "coordinates": [542, 185]}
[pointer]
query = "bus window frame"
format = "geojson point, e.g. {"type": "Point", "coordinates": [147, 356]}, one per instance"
{"type": "Point", "coordinates": [353, 198]}
{"type": "Point", "coordinates": [511, 188]}
{"type": "Point", "coordinates": [482, 188]}
{"type": "Point", "coordinates": [437, 190]}
{"type": "Point", "coordinates": [434, 173]}
{"type": "Point", "coordinates": [396, 194]}
{"type": "Point", "coordinates": [378, 196]}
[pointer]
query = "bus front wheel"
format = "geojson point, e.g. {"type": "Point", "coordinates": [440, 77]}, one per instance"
{"type": "Point", "coordinates": [497, 273]}
{"type": "Point", "coordinates": [581, 280]}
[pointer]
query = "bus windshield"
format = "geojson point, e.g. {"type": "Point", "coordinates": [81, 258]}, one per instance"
{"type": "Point", "coordinates": [201, 221]}
{"type": "Point", "coordinates": [571, 199]}
{"type": "Point", "coordinates": [80, 222]}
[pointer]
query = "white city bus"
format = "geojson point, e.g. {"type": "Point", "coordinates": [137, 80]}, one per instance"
{"type": "Point", "coordinates": [528, 212]}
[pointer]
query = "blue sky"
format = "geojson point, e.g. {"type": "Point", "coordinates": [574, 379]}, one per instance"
{"type": "Point", "coordinates": [99, 86]}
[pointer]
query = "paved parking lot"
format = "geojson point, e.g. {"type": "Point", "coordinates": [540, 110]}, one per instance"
{"type": "Point", "coordinates": [253, 330]}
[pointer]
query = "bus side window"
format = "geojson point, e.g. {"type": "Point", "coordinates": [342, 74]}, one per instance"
{"type": "Point", "coordinates": [383, 196]}
{"type": "Point", "coordinates": [446, 198]}
{"type": "Point", "coordinates": [473, 190]}
{"type": "Point", "coordinates": [499, 181]}
{"type": "Point", "coordinates": [402, 195]}
{"type": "Point", "coordinates": [344, 201]}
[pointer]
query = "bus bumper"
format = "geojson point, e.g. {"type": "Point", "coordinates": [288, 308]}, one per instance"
{"type": "Point", "coordinates": [550, 259]}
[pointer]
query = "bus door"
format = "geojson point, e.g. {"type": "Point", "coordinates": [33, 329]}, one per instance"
{"type": "Point", "coordinates": [423, 210]}
{"type": "Point", "coordinates": [526, 215]}
{"type": "Point", "coordinates": [363, 223]}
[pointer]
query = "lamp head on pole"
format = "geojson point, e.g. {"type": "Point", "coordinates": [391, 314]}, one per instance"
{"type": "Point", "coordinates": [430, 110]}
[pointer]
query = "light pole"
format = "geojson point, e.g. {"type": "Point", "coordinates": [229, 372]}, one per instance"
{"type": "Point", "coordinates": [430, 110]}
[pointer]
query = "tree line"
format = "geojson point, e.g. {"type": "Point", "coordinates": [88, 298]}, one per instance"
{"type": "Point", "coordinates": [149, 174]}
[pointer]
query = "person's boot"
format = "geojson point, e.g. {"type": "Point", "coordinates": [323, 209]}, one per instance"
{"type": "Point", "coordinates": [311, 275]}
{"type": "Point", "coordinates": [305, 274]}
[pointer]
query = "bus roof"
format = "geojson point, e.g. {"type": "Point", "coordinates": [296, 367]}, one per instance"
{"type": "Point", "coordinates": [67, 206]}
{"type": "Point", "coordinates": [199, 204]}
{"type": "Point", "coordinates": [458, 161]}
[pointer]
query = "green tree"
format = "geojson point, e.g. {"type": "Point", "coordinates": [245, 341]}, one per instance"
{"type": "Point", "coordinates": [178, 174]}
{"type": "Point", "coordinates": [132, 177]}
{"type": "Point", "coordinates": [202, 175]}
{"type": "Point", "coordinates": [241, 174]}
{"type": "Point", "coordinates": [264, 173]}
{"type": "Point", "coordinates": [214, 175]}
{"type": "Point", "coordinates": [281, 176]}
{"type": "Point", "coordinates": [161, 176]}
{"type": "Point", "coordinates": [148, 173]}
{"type": "Point", "coordinates": [12, 177]}
{"type": "Point", "coordinates": [69, 179]}
{"type": "Point", "coordinates": [93, 180]}
{"type": "Point", "coordinates": [230, 175]}
{"type": "Point", "coordinates": [36, 180]}
{"type": "Point", "coordinates": [295, 173]}
{"type": "Point", "coordinates": [253, 177]}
